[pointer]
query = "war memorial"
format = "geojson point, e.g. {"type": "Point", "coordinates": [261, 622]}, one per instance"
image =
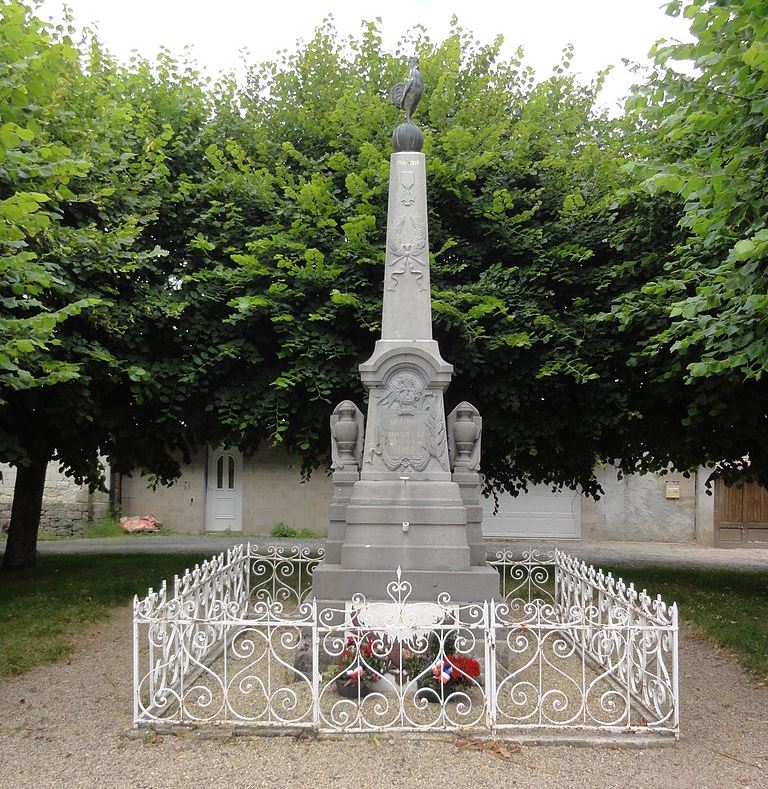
{"type": "Point", "coordinates": [406, 490]}
{"type": "Point", "coordinates": [402, 624]}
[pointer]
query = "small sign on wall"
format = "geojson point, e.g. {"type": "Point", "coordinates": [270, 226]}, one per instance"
{"type": "Point", "coordinates": [672, 489]}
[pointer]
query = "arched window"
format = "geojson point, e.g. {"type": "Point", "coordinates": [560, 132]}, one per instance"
{"type": "Point", "coordinates": [231, 474]}
{"type": "Point", "coordinates": [220, 474]}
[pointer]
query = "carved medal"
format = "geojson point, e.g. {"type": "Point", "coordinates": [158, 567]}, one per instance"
{"type": "Point", "coordinates": [407, 182]}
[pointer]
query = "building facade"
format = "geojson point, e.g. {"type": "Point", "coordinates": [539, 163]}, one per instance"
{"type": "Point", "coordinates": [223, 491]}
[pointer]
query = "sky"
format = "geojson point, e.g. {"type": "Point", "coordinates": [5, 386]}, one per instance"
{"type": "Point", "coordinates": [602, 31]}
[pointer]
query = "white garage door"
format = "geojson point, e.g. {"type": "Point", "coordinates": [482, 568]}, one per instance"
{"type": "Point", "coordinates": [538, 513]}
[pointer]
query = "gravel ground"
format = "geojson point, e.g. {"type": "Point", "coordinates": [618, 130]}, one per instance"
{"type": "Point", "coordinates": [64, 726]}
{"type": "Point", "coordinates": [619, 552]}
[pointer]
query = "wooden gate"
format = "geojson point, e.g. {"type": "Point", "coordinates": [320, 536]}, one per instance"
{"type": "Point", "coordinates": [741, 515]}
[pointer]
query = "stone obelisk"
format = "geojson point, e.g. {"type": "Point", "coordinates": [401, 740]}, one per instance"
{"type": "Point", "coordinates": [396, 503]}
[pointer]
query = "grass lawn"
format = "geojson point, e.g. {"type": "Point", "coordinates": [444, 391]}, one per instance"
{"type": "Point", "coordinates": [730, 607]}
{"type": "Point", "coordinates": [41, 613]}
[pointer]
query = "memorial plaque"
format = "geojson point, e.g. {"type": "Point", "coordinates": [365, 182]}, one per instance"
{"type": "Point", "coordinates": [410, 428]}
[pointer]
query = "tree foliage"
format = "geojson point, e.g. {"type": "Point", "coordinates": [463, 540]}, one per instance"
{"type": "Point", "coordinates": [184, 262]}
{"type": "Point", "coordinates": [285, 244]}
{"type": "Point", "coordinates": [85, 167]}
{"type": "Point", "coordinates": [703, 144]}
{"type": "Point", "coordinates": [564, 269]}
{"type": "Point", "coordinates": [32, 166]}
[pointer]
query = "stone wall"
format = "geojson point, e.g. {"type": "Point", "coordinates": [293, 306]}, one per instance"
{"type": "Point", "coordinates": [633, 508]}
{"type": "Point", "coordinates": [274, 493]}
{"type": "Point", "coordinates": [636, 508]}
{"type": "Point", "coordinates": [705, 508]}
{"type": "Point", "coordinates": [67, 507]}
{"type": "Point", "coordinates": [179, 507]}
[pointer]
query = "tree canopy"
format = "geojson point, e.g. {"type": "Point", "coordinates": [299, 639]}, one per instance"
{"type": "Point", "coordinates": [186, 262]}
{"type": "Point", "coordinates": [703, 143]}
{"type": "Point", "coordinates": [84, 170]}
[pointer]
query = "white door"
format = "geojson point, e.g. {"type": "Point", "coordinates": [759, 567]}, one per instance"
{"type": "Point", "coordinates": [224, 496]}
{"type": "Point", "coordinates": [539, 514]}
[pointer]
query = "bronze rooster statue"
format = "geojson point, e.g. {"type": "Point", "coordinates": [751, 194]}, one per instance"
{"type": "Point", "coordinates": [406, 95]}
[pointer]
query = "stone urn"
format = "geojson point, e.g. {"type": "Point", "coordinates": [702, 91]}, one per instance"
{"type": "Point", "coordinates": [465, 432]}
{"type": "Point", "coordinates": [345, 431]}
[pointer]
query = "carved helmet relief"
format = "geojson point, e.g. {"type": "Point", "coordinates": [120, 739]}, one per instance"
{"type": "Point", "coordinates": [405, 392]}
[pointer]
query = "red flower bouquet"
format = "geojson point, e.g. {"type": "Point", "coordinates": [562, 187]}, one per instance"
{"type": "Point", "coordinates": [361, 663]}
{"type": "Point", "coordinates": [464, 669]}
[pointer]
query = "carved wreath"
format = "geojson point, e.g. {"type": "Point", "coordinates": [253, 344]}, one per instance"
{"type": "Point", "coordinates": [407, 246]}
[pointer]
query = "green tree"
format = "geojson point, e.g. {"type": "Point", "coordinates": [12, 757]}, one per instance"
{"type": "Point", "coordinates": [701, 324]}
{"type": "Point", "coordinates": [185, 263]}
{"type": "Point", "coordinates": [29, 62]}
{"type": "Point", "coordinates": [284, 235]}
{"type": "Point", "coordinates": [93, 320]}
{"type": "Point", "coordinates": [554, 262]}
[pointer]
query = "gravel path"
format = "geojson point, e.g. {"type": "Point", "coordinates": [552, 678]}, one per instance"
{"type": "Point", "coordinates": [63, 725]}
{"type": "Point", "coordinates": [618, 552]}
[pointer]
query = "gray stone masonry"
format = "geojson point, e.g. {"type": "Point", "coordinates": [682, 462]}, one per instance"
{"type": "Point", "coordinates": [347, 423]}
{"type": "Point", "coordinates": [67, 507]}
{"type": "Point", "coordinates": [406, 509]}
{"type": "Point", "coordinates": [465, 427]}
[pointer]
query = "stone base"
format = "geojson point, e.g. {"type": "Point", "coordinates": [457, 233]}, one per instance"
{"type": "Point", "coordinates": [335, 585]}
{"type": "Point", "coordinates": [419, 525]}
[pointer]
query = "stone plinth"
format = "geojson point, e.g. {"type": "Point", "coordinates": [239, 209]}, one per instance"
{"type": "Point", "coordinates": [471, 585]}
{"type": "Point", "coordinates": [403, 520]}
{"type": "Point", "coordinates": [469, 486]}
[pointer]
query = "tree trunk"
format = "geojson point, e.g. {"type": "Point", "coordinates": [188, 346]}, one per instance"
{"type": "Point", "coordinates": [21, 548]}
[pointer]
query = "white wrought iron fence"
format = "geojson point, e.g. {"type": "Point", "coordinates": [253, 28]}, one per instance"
{"type": "Point", "coordinates": [177, 636]}
{"type": "Point", "coordinates": [563, 648]}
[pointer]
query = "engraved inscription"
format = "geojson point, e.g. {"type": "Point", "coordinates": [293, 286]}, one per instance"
{"type": "Point", "coordinates": [405, 439]}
